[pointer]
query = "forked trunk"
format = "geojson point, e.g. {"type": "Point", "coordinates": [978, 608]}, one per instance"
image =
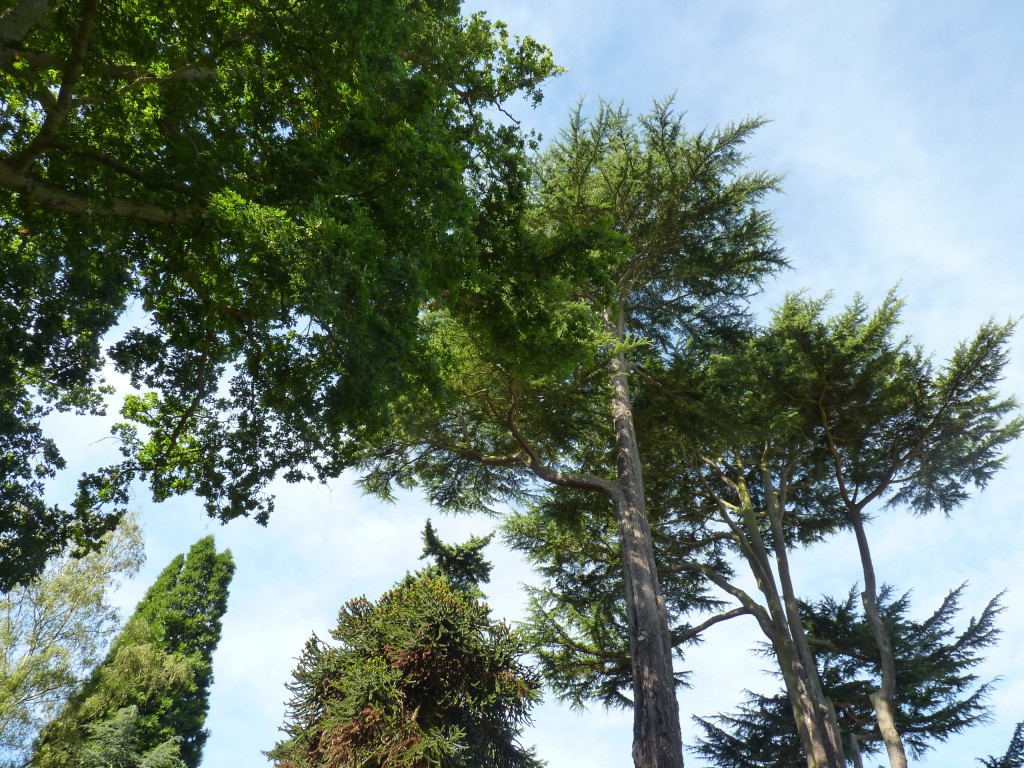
{"type": "Point", "coordinates": [657, 738]}
{"type": "Point", "coordinates": [884, 699]}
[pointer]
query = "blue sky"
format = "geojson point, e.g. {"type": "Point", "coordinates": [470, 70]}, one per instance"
{"type": "Point", "coordinates": [897, 126]}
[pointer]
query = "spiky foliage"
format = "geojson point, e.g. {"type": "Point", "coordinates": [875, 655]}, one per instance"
{"type": "Point", "coordinates": [422, 677]}
{"type": "Point", "coordinates": [938, 694]}
{"type": "Point", "coordinates": [1014, 757]}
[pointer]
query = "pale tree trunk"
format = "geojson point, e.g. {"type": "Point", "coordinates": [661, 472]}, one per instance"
{"type": "Point", "coordinates": [18, 20]}
{"type": "Point", "coordinates": [884, 699]}
{"type": "Point", "coordinates": [657, 738]}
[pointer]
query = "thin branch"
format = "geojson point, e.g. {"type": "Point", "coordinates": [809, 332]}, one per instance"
{"type": "Point", "coordinates": [694, 631]}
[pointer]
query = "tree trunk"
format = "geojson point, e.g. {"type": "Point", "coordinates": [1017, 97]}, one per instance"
{"type": "Point", "coordinates": [657, 738]}
{"type": "Point", "coordinates": [884, 699]}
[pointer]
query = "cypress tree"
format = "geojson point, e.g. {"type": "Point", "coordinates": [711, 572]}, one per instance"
{"type": "Point", "coordinates": [160, 665]}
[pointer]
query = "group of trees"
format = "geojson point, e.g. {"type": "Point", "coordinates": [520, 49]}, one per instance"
{"type": "Point", "coordinates": [342, 253]}
{"type": "Point", "coordinates": [143, 704]}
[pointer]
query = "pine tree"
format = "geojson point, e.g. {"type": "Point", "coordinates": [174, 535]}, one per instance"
{"type": "Point", "coordinates": [938, 695]}
{"type": "Point", "coordinates": [1014, 757]}
{"type": "Point", "coordinates": [161, 664]}
{"type": "Point", "coordinates": [423, 677]}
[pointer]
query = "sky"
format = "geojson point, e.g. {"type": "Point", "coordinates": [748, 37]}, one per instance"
{"type": "Point", "coordinates": [896, 125]}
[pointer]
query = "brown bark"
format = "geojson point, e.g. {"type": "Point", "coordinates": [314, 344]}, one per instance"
{"type": "Point", "coordinates": [884, 699]}
{"type": "Point", "coordinates": [657, 738]}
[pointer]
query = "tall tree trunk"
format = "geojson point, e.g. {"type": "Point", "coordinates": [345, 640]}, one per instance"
{"type": "Point", "coordinates": [657, 738]}
{"type": "Point", "coordinates": [884, 699]}
{"type": "Point", "coordinates": [775, 502]}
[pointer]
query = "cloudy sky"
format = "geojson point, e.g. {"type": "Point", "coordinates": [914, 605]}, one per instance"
{"type": "Point", "coordinates": [897, 126]}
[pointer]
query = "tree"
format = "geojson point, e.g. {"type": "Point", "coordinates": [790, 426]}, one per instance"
{"type": "Point", "coordinates": [114, 743]}
{"type": "Point", "coordinates": [422, 677]}
{"type": "Point", "coordinates": [937, 693]}
{"type": "Point", "coordinates": [640, 235]}
{"type": "Point", "coordinates": [763, 443]}
{"type": "Point", "coordinates": [160, 665]}
{"type": "Point", "coordinates": [269, 202]}
{"type": "Point", "coordinates": [1014, 757]}
{"type": "Point", "coordinates": [53, 631]}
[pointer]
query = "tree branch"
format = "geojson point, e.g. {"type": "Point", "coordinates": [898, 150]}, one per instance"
{"type": "Point", "coordinates": [57, 199]}
{"type": "Point", "coordinates": [54, 117]}
{"type": "Point", "coordinates": [694, 631]}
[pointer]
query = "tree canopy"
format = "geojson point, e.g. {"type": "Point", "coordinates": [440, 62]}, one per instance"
{"type": "Point", "coordinates": [272, 206]}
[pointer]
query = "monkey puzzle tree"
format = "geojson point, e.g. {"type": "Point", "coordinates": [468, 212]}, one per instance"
{"type": "Point", "coordinates": [422, 677]}
{"type": "Point", "coordinates": [273, 188]}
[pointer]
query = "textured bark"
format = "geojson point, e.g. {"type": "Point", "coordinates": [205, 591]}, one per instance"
{"type": "Point", "coordinates": [657, 738]}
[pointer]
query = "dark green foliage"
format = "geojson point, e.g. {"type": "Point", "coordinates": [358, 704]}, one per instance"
{"type": "Point", "coordinates": [1014, 757]}
{"type": "Point", "coordinates": [463, 565]}
{"type": "Point", "coordinates": [274, 205]}
{"type": "Point", "coordinates": [576, 622]}
{"type": "Point", "coordinates": [937, 694]}
{"type": "Point", "coordinates": [161, 664]}
{"type": "Point", "coordinates": [423, 677]}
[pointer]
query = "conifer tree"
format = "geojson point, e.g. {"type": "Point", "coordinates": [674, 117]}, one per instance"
{"type": "Point", "coordinates": [161, 664]}
{"type": "Point", "coordinates": [937, 692]}
{"type": "Point", "coordinates": [423, 677]}
{"type": "Point", "coordinates": [1014, 757]}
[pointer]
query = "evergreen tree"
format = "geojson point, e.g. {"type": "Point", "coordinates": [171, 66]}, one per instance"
{"type": "Point", "coordinates": [161, 664]}
{"type": "Point", "coordinates": [937, 693]}
{"type": "Point", "coordinates": [423, 677]}
{"type": "Point", "coordinates": [1014, 757]}
{"type": "Point", "coordinates": [115, 743]}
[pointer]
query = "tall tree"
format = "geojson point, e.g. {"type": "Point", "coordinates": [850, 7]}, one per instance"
{"type": "Point", "coordinates": [161, 664]}
{"type": "Point", "coordinates": [776, 441]}
{"type": "Point", "coordinates": [639, 235]}
{"type": "Point", "coordinates": [422, 677]}
{"type": "Point", "coordinates": [53, 631]}
{"type": "Point", "coordinates": [270, 202]}
{"type": "Point", "coordinates": [937, 691]}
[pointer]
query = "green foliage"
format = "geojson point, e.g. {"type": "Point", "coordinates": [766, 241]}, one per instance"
{"type": "Point", "coordinates": [638, 234]}
{"type": "Point", "coordinates": [937, 693]}
{"type": "Point", "coordinates": [53, 630]}
{"type": "Point", "coordinates": [463, 565]}
{"type": "Point", "coordinates": [1014, 757]}
{"type": "Point", "coordinates": [274, 206]}
{"type": "Point", "coordinates": [422, 677]}
{"type": "Point", "coordinates": [161, 664]}
{"type": "Point", "coordinates": [114, 743]}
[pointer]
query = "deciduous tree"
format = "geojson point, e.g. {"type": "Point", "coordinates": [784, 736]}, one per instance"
{"type": "Point", "coordinates": [53, 631]}
{"type": "Point", "coordinates": [273, 205]}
